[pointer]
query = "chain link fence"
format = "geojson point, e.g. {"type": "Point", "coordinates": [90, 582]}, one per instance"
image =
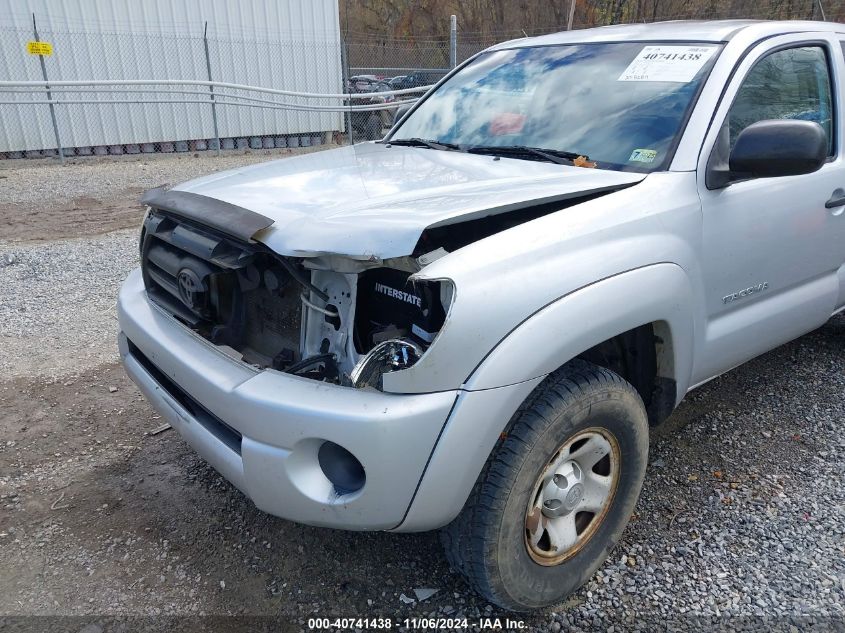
{"type": "Point", "coordinates": [170, 115]}
{"type": "Point", "coordinates": [208, 92]}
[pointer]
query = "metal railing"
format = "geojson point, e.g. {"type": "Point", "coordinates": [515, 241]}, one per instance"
{"type": "Point", "coordinates": [194, 92]}
{"type": "Point", "coordinates": [102, 89]}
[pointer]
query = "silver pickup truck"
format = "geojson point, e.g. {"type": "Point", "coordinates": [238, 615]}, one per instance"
{"type": "Point", "coordinates": [472, 323]}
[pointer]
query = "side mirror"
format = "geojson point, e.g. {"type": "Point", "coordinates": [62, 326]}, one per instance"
{"type": "Point", "coordinates": [778, 148]}
{"type": "Point", "coordinates": [400, 112]}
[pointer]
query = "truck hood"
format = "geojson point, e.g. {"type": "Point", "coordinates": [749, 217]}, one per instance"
{"type": "Point", "coordinates": [373, 201]}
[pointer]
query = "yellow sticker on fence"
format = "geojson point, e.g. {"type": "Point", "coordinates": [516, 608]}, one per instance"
{"type": "Point", "coordinates": [39, 48]}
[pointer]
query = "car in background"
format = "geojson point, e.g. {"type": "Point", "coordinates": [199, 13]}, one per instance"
{"type": "Point", "coordinates": [418, 78]}
{"type": "Point", "coordinates": [355, 78]}
{"type": "Point", "coordinates": [396, 82]}
{"type": "Point", "coordinates": [370, 123]}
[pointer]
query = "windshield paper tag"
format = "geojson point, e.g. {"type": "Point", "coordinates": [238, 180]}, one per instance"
{"type": "Point", "coordinates": [667, 63]}
{"type": "Point", "coordinates": [643, 156]}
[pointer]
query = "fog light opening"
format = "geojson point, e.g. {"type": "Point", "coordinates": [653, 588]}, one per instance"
{"type": "Point", "coordinates": [341, 468]}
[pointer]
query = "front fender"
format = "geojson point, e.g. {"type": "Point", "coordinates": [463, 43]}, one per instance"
{"type": "Point", "coordinates": [540, 344]}
{"type": "Point", "coordinates": [584, 318]}
{"type": "Point", "coordinates": [502, 280]}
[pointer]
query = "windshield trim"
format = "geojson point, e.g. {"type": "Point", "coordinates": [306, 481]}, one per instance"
{"type": "Point", "coordinates": [682, 128]}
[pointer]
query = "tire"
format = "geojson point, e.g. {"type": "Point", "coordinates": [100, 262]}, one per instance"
{"type": "Point", "coordinates": [372, 130]}
{"type": "Point", "coordinates": [387, 118]}
{"type": "Point", "coordinates": [569, 418]}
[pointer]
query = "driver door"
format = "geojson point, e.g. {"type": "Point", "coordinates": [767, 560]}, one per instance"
{"type": "Point", "coordinates": [771, 249]}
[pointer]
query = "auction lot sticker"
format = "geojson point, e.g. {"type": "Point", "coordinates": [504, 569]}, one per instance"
{"type": "Point", "coordinates": [667, 63]}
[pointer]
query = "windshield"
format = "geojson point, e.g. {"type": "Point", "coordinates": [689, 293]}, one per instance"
{"type": "Point", "coordinates": [623, 105]}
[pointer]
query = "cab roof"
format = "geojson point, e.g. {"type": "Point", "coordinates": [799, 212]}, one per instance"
{"type": "Point", "coordinates": [676, 30]}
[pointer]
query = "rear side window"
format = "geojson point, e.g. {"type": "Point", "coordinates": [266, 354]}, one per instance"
{"type": "Point", "coordinates": [789, 84]}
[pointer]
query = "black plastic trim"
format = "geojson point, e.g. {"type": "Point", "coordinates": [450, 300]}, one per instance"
{"type": "Point", "coordinates": [224, 217]}
{"type": "Point", "coordinates": [214, 425]}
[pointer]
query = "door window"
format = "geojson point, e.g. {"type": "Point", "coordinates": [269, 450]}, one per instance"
{"type": "Point", "coordinates": [789, 84]}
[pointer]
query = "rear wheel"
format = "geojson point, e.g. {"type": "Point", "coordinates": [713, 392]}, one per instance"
{"type": "Point", "coordinates": [556, 493]}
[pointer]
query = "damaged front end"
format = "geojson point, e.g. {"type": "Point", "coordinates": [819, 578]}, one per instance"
{"type": "Point", "coordinates": [331, 319]}
{"type": "Point", "coordinates": [295, 291]}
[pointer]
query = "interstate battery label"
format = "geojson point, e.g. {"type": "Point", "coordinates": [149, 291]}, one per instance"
{"type": "Point", "coordinates": [668, 63]}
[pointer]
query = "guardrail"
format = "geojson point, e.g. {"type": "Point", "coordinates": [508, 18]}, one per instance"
{"type": "Point", "coordinates": [194, 92]}
{"type": "Point", "coordinates": [50, 85]}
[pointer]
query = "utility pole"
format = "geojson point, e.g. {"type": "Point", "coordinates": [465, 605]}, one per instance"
{"type": "Point", "coordinates": [49, 97]}
{"type": "Point", "coordinates": [453, 41]}
{"type": "Point", "coordinates": [571, 15]}
{"type": "Point", "coordinates": [211, 88]}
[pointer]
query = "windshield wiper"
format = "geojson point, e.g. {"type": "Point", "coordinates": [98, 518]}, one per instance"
{"type": "Point", "coordinates": [515, 151]}
{"type": "Point", "coordinates": [424, 142]}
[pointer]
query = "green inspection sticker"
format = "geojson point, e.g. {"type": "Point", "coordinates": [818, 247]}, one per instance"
{"type": "Point", "coordinates": [643, 156]}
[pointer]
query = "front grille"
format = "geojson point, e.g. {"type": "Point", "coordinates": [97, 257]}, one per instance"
{"type": "Point", "coordinates": [230, 292]}
{"type": "Point", "coordinates": [186, 270]}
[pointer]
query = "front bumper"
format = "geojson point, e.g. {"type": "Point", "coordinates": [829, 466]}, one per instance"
{"type": "Point", "coordinates": [262, 429]}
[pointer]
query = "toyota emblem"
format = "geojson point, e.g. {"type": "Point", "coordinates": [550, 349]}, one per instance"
{"type": "Point", "coordinates": [190, 288]}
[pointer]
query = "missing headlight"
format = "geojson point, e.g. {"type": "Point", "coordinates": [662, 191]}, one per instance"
{"type": "Point", "coordinates": [392, 306]}
{"type": "Point", "coordinates": [387, 356]}
{"type": "Point", "coordinates": [397, 318]}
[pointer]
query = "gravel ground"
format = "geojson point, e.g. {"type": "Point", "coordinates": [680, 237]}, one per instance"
{"type": "Point", "coordinates": [741, 525]}
{"type": "Point", "coordinates": [43, 200]}
{"type": "Point", "coordinates": [57, 302]}
{"type": "Point", "coordinates": [34, 183]}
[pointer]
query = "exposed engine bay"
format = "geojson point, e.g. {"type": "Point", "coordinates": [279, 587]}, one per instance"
{"type": "Point", "coordinates": [297, 315]}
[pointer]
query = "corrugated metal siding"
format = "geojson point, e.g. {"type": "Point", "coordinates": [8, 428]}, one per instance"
{"type": "Point", "coordinates": [285, 44]}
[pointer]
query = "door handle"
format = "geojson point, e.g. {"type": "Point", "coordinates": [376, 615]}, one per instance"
{"type": "Point", "coordinates": [837, 199]}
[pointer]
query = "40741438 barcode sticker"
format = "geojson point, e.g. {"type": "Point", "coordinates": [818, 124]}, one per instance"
{"type": "Point", "coordinates": [668, 63]}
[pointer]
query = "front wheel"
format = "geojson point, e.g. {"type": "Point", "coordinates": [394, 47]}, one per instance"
{"type": "Point", "coordinates": [557, 491]}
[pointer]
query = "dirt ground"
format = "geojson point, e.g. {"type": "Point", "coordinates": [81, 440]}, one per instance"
{"type": "Point", "coordinates": [76, 218]}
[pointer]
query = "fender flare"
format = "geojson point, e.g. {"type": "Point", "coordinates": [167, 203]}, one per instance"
{"type": "Point", "coordinates": [585, 317]}
{"type": "Point", "coordinates": [540, 344]}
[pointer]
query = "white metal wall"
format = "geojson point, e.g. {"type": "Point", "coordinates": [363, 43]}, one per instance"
{"type": "Point", "coordinates": [284, 44]}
